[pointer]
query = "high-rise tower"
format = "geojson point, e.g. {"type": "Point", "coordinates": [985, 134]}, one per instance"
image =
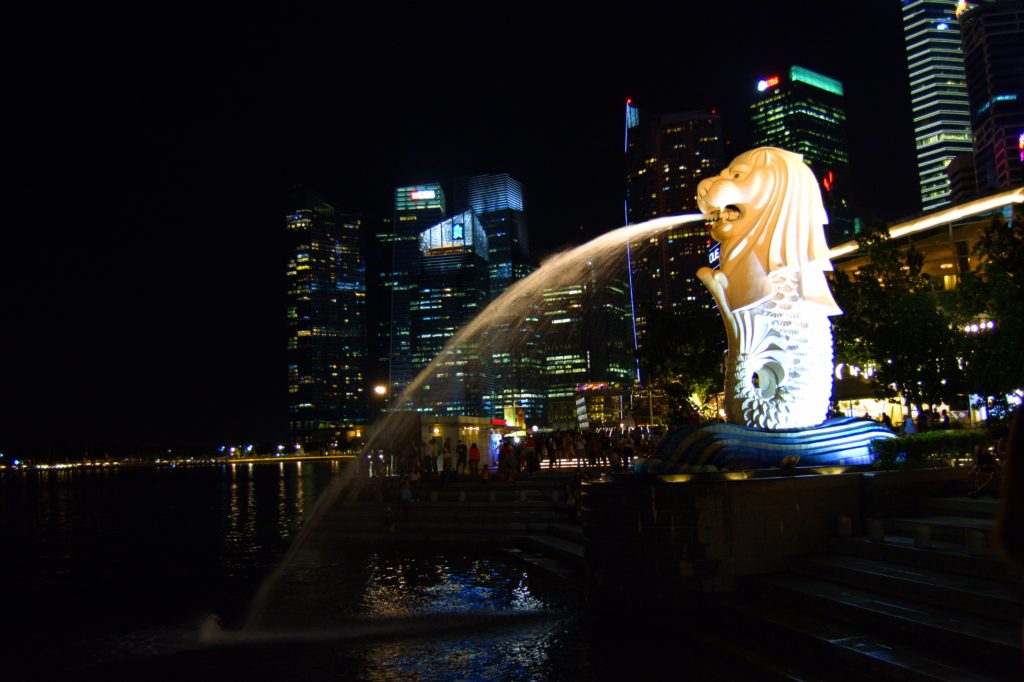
{"type": "Point", "coordinates": [992, 34]}
{"type": "Point", "coordinates": [587, 341]}
{"type": "Point", "coordinates": [452, 288]}
{"type": "Point", "coordinates": [497, 200]}
{"type": "Point", "coordinates": [803, 111]}
{"type": "Point", "coordinates": [938, 94]}
{"type": "Point", "coordinates": [666, 158]}
{"type": "Point", "coordinates": [518, 383]}
{"type": "Point", "coordinates": [326, 320]}
{"type": "Point", "coordinates": [417, 207]}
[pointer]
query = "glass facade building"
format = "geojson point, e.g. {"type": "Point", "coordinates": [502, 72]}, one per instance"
{"type": "Point", "coordinates": [326, 320]}
{"type": "Point", "coordinates": [992, 35]}
{"type": "Point", "coordinates": [417, 207]}
{"type": "Point", "coordinates": [938, 94]}
{"type": "Point", "coordinates": [452, 288]}
{"type": "Point", "coordinates": [497, 201]}
{"type": "Point", "coordinates": [803, 111]}
{"type": "Point", "coordinates": [588, 340]}
{"type": "Point", "coordinates": [666, 158]}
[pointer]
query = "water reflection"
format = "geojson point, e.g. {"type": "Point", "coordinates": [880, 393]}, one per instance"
{"type": "Point", "coordinates": [421, 615]}
{"type": "Point", "coordinates": [406, 586]}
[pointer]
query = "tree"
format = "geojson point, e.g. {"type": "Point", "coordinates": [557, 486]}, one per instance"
{"type": "Point", "coordinates": [682, 356]}
{"type": "Point", "coordinates": [990, 303]}
{"type": "Point", "coordinates": [892, 320]}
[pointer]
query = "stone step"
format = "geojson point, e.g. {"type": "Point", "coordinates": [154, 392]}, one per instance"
{"type": "Point", "coordinates": [921, 625]}
{"type": "Point", "coordinates": [983, 597]}
{"type": "Point", "coordinates": [567, 531]}
{"type": "Point", "coordinates": [539, 482]}
{"type": "Point", "coordinates": [419, 521]}
{"type": "Point", "coordinates": [565, 550]}
{"type": "Point", "coordinates": [962, 505]}
{"type": "Point", "coordinates": [568, 571]}
{"type": "Point", "coordinates": [944, 556]}
{"type": "Point", "coordinates": [481, 506]}
{"type": "Point", "coordinates": [445, 513]}
{"type": "Point", "coordinates": [431, 537]}
{"type": "Point", "coordinates": [848, 652]}
{"type": "Point", "coordinates": [948, 528]}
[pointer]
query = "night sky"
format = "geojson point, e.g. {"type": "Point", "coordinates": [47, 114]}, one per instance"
{"type": "Point", "coordinates": [143, 259]}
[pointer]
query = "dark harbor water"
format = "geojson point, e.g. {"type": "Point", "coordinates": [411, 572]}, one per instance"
{"type": "Point", "coordinates": [147, 574]}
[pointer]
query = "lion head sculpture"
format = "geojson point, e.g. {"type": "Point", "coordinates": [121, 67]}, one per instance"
{"type": "Point", "coordinates": [767, 213]}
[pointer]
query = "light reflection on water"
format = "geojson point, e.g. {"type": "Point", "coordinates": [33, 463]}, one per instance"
{"type": "Point", "coordinates": [403, 586]}
{"type": "Point", "coordinates": [401, 615]}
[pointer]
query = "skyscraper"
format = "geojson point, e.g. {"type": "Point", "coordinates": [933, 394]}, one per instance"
{"type": "Point", "coordinates": [417, 207]}
{"type": "Point", "coordinates": [587, 341]}
{"type": "Point", "coordinates": [452, 288]}
{"type": "Point", "coordinates": [803, 111]}
{"type": "Point", "coordinates": [938, 94]}
{"type": "Point", "coordinates": [992, 34]}
{"type": "Point", "coordinates": [326, 321]}
{"type": "Point", "coordinates": [497, 201]}
{"type": "Point", "coordinates": [666, 158]}
{"type": "Point", "coordinates": [518, 383]}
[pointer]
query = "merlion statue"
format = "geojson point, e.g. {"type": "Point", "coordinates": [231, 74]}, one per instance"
{"type": "Point", "coordinates": [771, 289]}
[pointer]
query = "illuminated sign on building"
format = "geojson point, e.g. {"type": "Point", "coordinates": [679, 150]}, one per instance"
{"type": "Point", "coordinates": [594, 386]}
{"type": "Point", "coordinates": [767, 83]}
{"type": "Point", "coordinates": [714, 254]}
{"type": "Point", "coordinates": [829, 181]}
{"type": "Point", "coordinates": [1020, 145]}
{"type": "Point", "coordinates": [460, 232]}
{"type": "Point", "coordinates": [421, 194]}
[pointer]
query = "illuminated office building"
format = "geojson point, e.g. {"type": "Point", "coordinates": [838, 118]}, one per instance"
{"type": "Point", "coordinates": [588, 341]}
{"type": "Point", "coordinates": [452, 288]}
{"type": "Point", "coordinates": [992, 35]}
{"type": "Point", "coordinates": [518, 383]}
{"type": "Point", "coordinates": [326, 321]}
{"type": "Point", "coordinates": [497, 201]}
{"type": "Point", "coordinates": [666, 158]}
{"type": "Point", "coordinates": [397, 265]}
{"type": "Point", "coordinates": [803, 111]}
{"type": "Point", "coordinates": [938, 94]}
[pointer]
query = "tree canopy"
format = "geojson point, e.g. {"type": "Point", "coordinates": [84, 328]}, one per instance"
{"type": "Point", "coordinates": [893, 320]}
{"type": "Point", "coordinates": [682, 356]}
{"type": "Point", "coordinates": [992, 294]}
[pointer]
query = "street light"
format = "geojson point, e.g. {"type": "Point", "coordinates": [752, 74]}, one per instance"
{"type": "Point", "coordinates": [381, 391]}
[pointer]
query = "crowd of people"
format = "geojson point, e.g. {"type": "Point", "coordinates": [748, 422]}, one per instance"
{"type": "Point", "coordinates": [442, 459]}
{"type": "Point", "coordinates": [927, 420]}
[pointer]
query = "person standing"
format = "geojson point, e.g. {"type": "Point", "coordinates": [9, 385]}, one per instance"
{"type": "Point", "coordinates": [447, 461]}
{"type": "Point", "coordinates": [474, 460]}
{"type": "Point", "coordinates": [530, 453]}
{"type": "Point", "coordinates": [460, 457]}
